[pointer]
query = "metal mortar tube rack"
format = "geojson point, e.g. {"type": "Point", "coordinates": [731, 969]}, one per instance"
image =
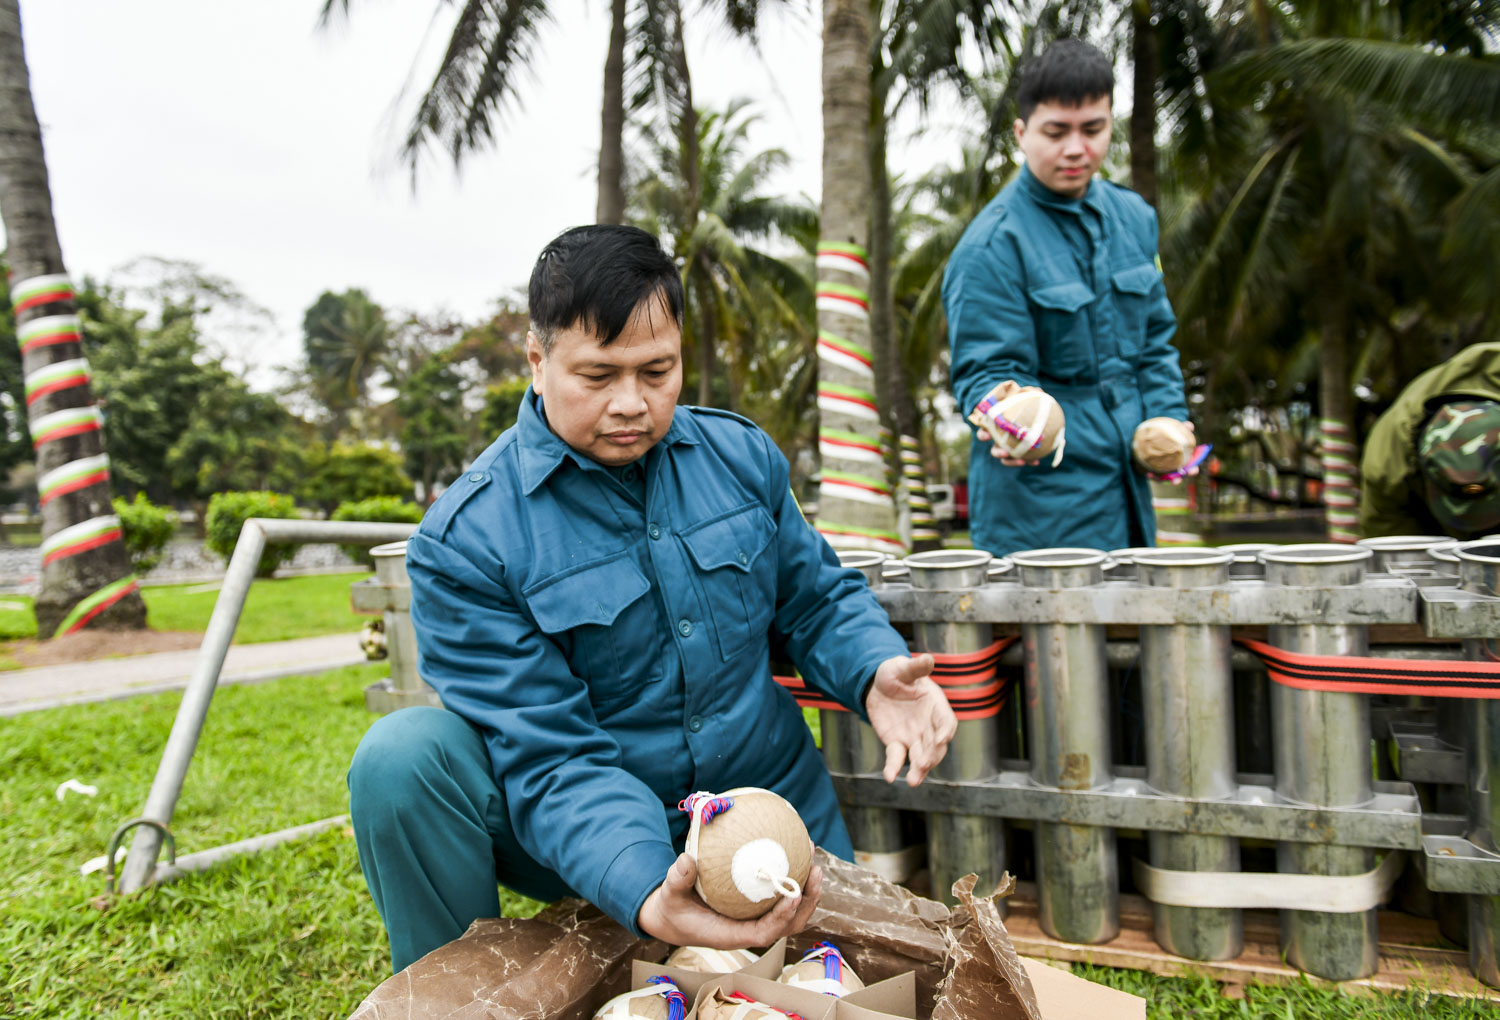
{"type": "Point", "coordinates": [1479, 573]}
{"type": "Point", "coordinates": [960, 844]}
{"type": "Point", "coordinates": [850, 745]}
{"type": "Point", "coordinates": [1067, 716]}
{"type": "Point", "coordinates": [1190, 745]}
{"type": "Point", "coordinates": [1323, 757]}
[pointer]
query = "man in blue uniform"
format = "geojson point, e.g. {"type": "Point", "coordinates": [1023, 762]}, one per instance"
{"type": "Point", "coordinates": [1057, 284]}
{"type": "Point", "coordinates": [596, 601]}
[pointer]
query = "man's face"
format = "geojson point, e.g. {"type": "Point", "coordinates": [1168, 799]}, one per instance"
{"type": "Point", "coordinates": [1064, 145]}
{"type": "Point", "coordinates": [613, 403]}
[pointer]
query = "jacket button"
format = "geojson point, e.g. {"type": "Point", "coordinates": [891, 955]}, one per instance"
{"type": "Point", "coordinates": [476, 478]}
{"type": "Point", "coordinates": [653, 530]}
{"type": "Point", "coordinates": [685, 627]}
{"type": "Point", "coordinates": [695, 724]}
{"type": "Point", "coordinates": [744, 560]}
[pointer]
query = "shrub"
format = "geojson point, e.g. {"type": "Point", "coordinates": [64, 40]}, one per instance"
{"type": "Point", "coordinates": [147, 528]}
{"type": "Point", "coordinates": [349, 472]}
{"type": "Point", "coordinates": [227, 513]}
{"type": "Point", "coordinates": [386, 509]}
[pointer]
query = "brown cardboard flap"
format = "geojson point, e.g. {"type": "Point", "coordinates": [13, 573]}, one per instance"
{"type": "Point", "coordinates": [893, 997]}
{"type": "Point", "coordinates": [690, 982]}
{"type": "Point", "coordinates": [806, 1004]}
{"type": "Point", "coordinates": [1066, 996]}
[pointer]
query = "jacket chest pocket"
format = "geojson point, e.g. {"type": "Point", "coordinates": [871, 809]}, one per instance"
{"type": "Point", "coordinates": [1132, 290]}
{"type": "Point", "coordinates": [1064, 339]}
{"type": "Point", "coordinates": [738, 581]}
{"type": "Point", "coordinates": [599, 616]}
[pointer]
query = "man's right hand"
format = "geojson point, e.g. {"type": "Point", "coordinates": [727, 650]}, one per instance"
{"type": "Point", "coordinates": [996, 452]}
{"type": "Point", "coordinates": [676, 914]}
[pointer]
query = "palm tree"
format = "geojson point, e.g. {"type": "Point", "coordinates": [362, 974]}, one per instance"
{"type": "Point", "coordinates": [86, 579]}
{"type": "Point", "coordinates": [345, 338]}
{"type": "Point", "coordinates": [855, 507]}
{"type": "Point", "coordinates": [741, 299]}
{"type": "Point", "coordinates": [1321, 230]}
{"type": "Point", "coordinates": [492, 43]}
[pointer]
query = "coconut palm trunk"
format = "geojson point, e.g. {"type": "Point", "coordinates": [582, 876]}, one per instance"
{"type": "Point", "coordinates": [611, 204]}
{"type": "Point", "coordinates": [1337, 448]}
{"type": "Point", "coordinates": [855, 505]}
{"type": "Point", "coordinates": [1143, 113]}
{"type": "Point", "coordinates": [86, 579]}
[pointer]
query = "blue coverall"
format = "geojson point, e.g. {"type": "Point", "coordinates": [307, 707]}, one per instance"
{"type": "Point", "coordinates": [1064, 294]}
{"type": "Point", "coordinates": [603, 642]}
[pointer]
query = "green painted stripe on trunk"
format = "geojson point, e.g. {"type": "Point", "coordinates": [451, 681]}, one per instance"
{"type": "Point", "coordinates": [849, 476]}
{"type": "Point", "coordinates": [842, 248]}
{"type": "Point", "coordinates": [847, 346]}
{"type": "Point", "coordinates": [840, 290]}
{"type": "Point", "coordinates": [852, 438]}
{"type": "Point", "coordinates": [101, 599]}
{"type": "Point", "coordinates": [840, 390]}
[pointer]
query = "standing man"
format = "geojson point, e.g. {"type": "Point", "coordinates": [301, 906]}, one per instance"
{"type": "Point", "coordinates": [596, 601]}
{"type": "Point", "coordinates": [1057, 284]}
{"type": "Point", "coordinates": [1431, 464]}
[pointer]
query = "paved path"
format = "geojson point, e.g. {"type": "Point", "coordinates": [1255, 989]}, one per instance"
{"type": "Point", "coordinates": [27, 690]}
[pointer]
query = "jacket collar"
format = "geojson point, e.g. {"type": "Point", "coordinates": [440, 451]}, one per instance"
{"type": "Point", "coordinates": [1043, 195]}
{"type": "Point", "coordinates": [542, 452]}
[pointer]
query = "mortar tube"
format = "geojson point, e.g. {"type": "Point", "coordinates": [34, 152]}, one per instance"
{"type": "Point", "coordinates": [960, 844]}
{"type": "Point", "coordinates": [1252, 686]}
{"type": "Point", "coordinates": [1067, 715]}
{"type": "Point", "coordinates": [1399, 553]}
{"type": "Point", "coordinates": [1322, 748]}
{"type": "Point", "coordinates": [1186, 682]}
{"type": "Point", "coordinates": [1479, 572]}
{"type": "Point", "coordinates": [850, 745]}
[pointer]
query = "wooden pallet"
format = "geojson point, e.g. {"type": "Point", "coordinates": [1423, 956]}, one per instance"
{"type": "Point", "coordinates": [1410, 951]}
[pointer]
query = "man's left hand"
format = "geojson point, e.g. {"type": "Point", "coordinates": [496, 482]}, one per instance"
{"type": "Point", "coordinates": [911, 716]}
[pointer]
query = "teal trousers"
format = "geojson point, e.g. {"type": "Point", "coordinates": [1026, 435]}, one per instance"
{"type": "Point", "coordinates": [434, 836]}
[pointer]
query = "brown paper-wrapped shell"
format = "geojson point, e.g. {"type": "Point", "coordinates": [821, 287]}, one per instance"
{"type": "Point", "coordinates": [811, 972]}
{"type": "Point", "coordinates": [1025, 423]}
{"type": "Point", "coordinates": [703, 960]}
{"type": "Point", "coordinates": [1162, 445]}
{"type": "Point", "coordinates": [721, 1006]}
{"type": "Point", "coordinates": [749, 854]}
{"type": "Point", "coordinates": [648, 1003]}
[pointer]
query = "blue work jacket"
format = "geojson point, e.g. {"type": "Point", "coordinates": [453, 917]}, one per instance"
{"type": "Point", "coordinates": [616, 654]}
{"type": "Point", "coordinates": [1064, 294]}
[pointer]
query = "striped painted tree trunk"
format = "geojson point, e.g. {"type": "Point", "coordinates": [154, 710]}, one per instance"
{"type": "Point", "coordinates": [86, 579]}
{"type": "Point", "coordinates": [1338, 453]}
{"type": "Point", "coordinates": [1176, 522]}
{"type": "Point", "coordinates": [924, 530]}
{"type": "Point", "coordinates": [856, 507]}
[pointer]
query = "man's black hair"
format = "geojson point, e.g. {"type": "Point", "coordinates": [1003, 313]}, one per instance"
{"type": "Point", "coordinates": [595, 277]}
{"type": "Point", "coordinates": [1069, 73]}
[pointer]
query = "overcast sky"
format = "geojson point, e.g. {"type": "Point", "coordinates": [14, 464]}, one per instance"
{"type": "Point", "coordinates": [243, 138]}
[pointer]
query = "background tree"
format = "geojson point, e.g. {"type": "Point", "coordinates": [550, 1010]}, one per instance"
{"type": "Point", "coordinates": [86, 578]}
{"type": "Point", "coordinates": [722, 230]}
{"type": "Point", "coordinates": [492, 42]}
{"type": "Point", "coordinates": [435, 440]}
{"type": "Point", "coordinates": [345, 338]}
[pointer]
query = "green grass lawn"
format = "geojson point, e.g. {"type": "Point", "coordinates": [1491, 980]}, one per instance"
{"type": "Point", "coordinates": [275, 610]}
{"type": "Point", "coordinates": [287, 933]}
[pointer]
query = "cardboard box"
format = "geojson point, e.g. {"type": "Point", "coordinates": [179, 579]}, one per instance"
{"type": "Point", "coordinates": [690, 982]}
{"type": "Point", "coordinates": [1063, 995]}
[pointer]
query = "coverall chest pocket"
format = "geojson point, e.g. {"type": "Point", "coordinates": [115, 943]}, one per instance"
{"type": "Point", "coordinates": [738, 580]}
{"type": "Point", "coordinates": [1132, 289]}
{"type": "Point", "coordinates": [1064, 339]}
{"type": "Point", "coordinates": [600, 618]}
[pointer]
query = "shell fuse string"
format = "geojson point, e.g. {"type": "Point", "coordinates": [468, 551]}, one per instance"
{"type": "Point", "coordinates": [1200, 454]}
{"type": "Point", "coordinates": [676, 1002]}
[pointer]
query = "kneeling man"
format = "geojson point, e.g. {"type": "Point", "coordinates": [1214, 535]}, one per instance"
{"type": "Point", "coordinates": [596, 601]}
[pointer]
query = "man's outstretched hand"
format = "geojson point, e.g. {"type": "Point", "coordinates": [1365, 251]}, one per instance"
{"type": "Point", "coordinates": [677, 915]}
{"type": "Point", "coordinates": [911, 716]}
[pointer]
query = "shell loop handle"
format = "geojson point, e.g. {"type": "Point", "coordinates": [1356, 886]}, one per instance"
{"type": "Point", "coordinates": [786, 885]}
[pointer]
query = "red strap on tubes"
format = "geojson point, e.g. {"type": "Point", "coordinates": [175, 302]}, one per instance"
{"type": "Point", "coordinates": [955, 672]}
{"type": "Point", "coordinates": [1359, 674]}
